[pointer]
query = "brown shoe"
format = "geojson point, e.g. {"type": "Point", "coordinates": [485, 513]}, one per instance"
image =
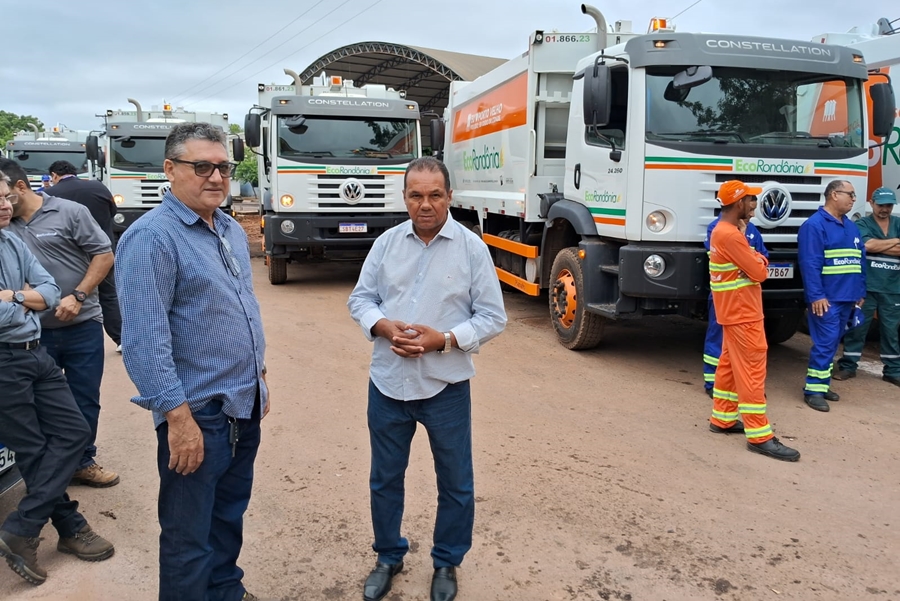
{"type": "Point", "coordinates": [86, 545]}
{"type": "Point", "coordinates": [96, 476]}
{"type": "Point", "coordinates": [21, 555]}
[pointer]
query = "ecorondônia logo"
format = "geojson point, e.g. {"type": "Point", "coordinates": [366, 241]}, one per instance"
{"type": "Point", "coordinates": [761, 166]}
{"type": "Point", "coordinates": [607, 197]}
{"type": "Point", "coordinates": [490, 158]}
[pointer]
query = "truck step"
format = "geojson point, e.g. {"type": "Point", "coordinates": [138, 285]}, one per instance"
{"type": "Point", "coordinates": [604, 309]}
{"type": "Point", "coordinates": [611, 269]}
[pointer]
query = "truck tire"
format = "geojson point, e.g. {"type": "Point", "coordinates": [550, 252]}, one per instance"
{"type": "Point", "coordinates": [277, 270]}
{"type": "Point", "coordinates": [782, 327]}
{"type": "Point", "coordinates": [576, 328]}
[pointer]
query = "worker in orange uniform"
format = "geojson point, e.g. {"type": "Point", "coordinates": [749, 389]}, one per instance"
{"type": "Point", "coordinates": [735, 274]}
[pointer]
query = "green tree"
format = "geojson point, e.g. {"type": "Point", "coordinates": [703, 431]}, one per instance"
{"type": "Point", "coordinates": [246, 169]}
{"type": "Point", "coordinates": [234, 128]}
{"type": "Point", "coordinates": [10, 123]}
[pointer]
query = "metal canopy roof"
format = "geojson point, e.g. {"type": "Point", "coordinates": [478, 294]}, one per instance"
{"type": "Point", "coordinates": [424, 73]}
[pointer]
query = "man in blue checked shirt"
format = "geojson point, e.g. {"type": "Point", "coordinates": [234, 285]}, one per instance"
{"type": "Point", "coordinates": [192, 342]}
{"type": "Point", "coordinates": [428, 296]}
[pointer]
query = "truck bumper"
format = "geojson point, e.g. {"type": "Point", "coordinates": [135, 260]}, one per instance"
{"type": "Point", "coordinates": [686, 275]}
{"type": "Point", "coordinates": [127, 217]}
{"type": "Point", "coordinates": [323, 232]}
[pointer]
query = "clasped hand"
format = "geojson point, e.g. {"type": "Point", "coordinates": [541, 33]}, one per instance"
{"type": "Point", "coordinates": [410, 340]}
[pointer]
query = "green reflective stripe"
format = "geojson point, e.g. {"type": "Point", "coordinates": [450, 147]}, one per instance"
{"type": "Point", "coordinates": [711, 360]}
{"type": "Point", "coordinates": [822, 374]}
{"type": "Point", "coordinates": [709, 377]}
{"type": "Point", "coordinates": [752, 408]}
{"type": "Point", "coordinates": [732, 285]}
{"type": "Point", "coordinates": [725, 395]}
{"type": "Point", "coordinates": [726, 416]}
{"type": "Point", "coordinates": [839, 269]}
{"type": "Point", "coordinates": [757, 432]}
{"type": "Point", "coordinates": [722, 267]}
{"type": "Point", "coordinates": [823, 388]}
{"type": "Point", "coordinates": [834, 253]}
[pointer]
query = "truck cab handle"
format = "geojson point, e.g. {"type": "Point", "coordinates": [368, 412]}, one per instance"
{"type": "Point", "coordinates": [577, 176]}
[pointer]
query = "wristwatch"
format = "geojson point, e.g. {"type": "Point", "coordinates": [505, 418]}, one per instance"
{"type": "Point", "coordinates": [79, 296]}
{"type": "Point", "coordinates": [18, 298]}
{"type": "Point", "coordinates": [447, 345]}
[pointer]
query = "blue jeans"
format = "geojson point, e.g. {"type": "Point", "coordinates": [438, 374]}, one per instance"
{"type": "Point", "coordinates": [201, 515]}
{"type": "Point", "coordinates": [447, 418]}
{"type": "Point", "coordinates": [78, 351]}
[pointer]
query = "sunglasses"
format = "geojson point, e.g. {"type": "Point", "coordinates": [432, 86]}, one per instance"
{"type": "Point", "coordinates": [205, 168]}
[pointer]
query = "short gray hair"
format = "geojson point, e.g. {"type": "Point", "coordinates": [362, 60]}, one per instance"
{"type": "Point", "coordinates": [183, 132]}
{"type": "Point", "coordinates": [4, 178]}
{"type": "Point", "coordinates": [833, 185]}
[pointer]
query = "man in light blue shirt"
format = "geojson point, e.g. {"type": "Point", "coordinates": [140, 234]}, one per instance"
{"type": "Point", "coordinates": [429, 297]}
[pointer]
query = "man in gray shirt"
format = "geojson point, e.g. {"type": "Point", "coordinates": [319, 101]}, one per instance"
{"type": "Point", "coordinates": [70, 245]}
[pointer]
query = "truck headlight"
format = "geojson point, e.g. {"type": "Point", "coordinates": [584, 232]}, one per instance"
{"type": "Point", "coordinates": [287, 201]}
{"type": "Point", "coordinates": [287, 227]}
{"type": "Point", "coordinates": [654, 266]}
{"type": "Point", "coordinates": [119, 218]}
{"type": "Point", "coordinates": [118, 199]}
{"type": "Point", "coordinates": [656, 222]}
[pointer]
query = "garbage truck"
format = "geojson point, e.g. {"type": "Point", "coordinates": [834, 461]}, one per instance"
{"type": "Point", "coordinates": [36, 150]}
{"type": "Point", "coordinates": [130, 151]}
{"type": "Point", "coordinates": [331, 161]}
{"type": "Point", "coordinates": [590, 163]}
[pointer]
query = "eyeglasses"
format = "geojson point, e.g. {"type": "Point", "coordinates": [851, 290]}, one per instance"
{"type": "Point", "coordinates": [850, 194]}
{"type": "Point", "coordinates": [205, 168]}
{"type": "Point", "coordinates": [228, 257]}
{"type": "Point", "coordinates": [12, 199]}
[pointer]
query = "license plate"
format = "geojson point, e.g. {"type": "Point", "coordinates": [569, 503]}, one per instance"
{"type": "Point", "coordinates": [7, 458]}
{"type": "Point", "coordinates": [781, 271]}
{"type": "Point", "coordinates": [352, 228]}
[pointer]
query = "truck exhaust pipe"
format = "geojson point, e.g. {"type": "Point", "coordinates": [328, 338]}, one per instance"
{"type": "Point", "coordinates": [137, 105]}
{"type": "Point", "coordinates": [295, 77]}
{"type": "Point", "coordinates": [598, 17]}
{"type": "Point", "coordinates": [33, 127]}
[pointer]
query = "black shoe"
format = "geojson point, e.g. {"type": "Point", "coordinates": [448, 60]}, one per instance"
{"type": "Point", "coordinates": [443, 584]}
{"type": "Point", "coordinates": [378, 584]}
{"type": "Point", "coordinates": [842, 374]}
{"type": "Point", "coordinates": [21, 555]}
{"type": "Point", "coordinates": [773, 448]}
{"type": "Point", "coordinates": [735, 428]}
{"type": "Point", "coordinates": [709, 392]}
{"type": "Point", "coordinates": [817, 402]}
{"type": "Point", "coordinates": [891, 380]}
{"type": "Point", "coordinates": [832, 396]}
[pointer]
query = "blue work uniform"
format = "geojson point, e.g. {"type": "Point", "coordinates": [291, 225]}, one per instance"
{"type": "Point", "coordinates": [712, 346]}
{"type": "Point", "coordinates": [831, 255]}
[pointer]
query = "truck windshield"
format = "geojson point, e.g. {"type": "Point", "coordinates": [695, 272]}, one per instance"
{"type": "Point", "coordinates": [747, 106]}
{"type": "Point", "coordinates": [324, 138]}
{"type": "Point", "coordinates": [37, 162]}
{"type": "Point", "coordinates": [143, 154]}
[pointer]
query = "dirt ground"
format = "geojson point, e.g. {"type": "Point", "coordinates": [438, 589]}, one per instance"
{"type": "Point", "coordinates": [596, 475]}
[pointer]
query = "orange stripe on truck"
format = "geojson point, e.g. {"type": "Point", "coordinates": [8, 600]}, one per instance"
{"type": "Point", "coordinates": [499, 109]}
{"type": "Point", "coordinates": [609, 221]}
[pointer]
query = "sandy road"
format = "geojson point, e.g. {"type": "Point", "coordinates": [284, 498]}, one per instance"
{"type": "Point", "coordinates": [595, 473]}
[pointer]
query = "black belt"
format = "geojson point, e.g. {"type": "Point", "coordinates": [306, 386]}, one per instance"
{"type": "Point", "coordinates": [22, 346]}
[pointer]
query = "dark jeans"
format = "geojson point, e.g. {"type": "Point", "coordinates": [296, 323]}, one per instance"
{"type": "Point", "coordinates": [447, 418]}
{"type": "Point", "coordinates": [41, 423]}
{"type": "Point", "coordinates": [201, 515]}
{"type": "Point", "coordinates": [78, 351]}
{"type": "Point", "coordinates": [109, 304]}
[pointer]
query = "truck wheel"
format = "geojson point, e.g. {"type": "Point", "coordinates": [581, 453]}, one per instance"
{"type": "Point", "coordinates": [575, 327]}
{"type": "Point", "coordinates": [782, 327]}
{"type": "Point", "coordinates": [277, 271]}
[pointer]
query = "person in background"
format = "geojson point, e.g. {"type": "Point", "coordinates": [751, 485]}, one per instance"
{"type": "Point", "coordinates": [39, 419]}
{"type": "Point", "coordinates": [45, 184]}
{"type": "Point", "coordinates": [99, 201]}
{"type": "Point", "coordinates": [712, 345]}
{"type": "Point", "coordinates": [881, 236]}
{"type": "Point", "coordinates": [71, 246]}
{"type": "Point", "coordinates": [830, 254]}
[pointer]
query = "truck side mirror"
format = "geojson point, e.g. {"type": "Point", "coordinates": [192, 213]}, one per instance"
{"type": "Point", "coordinates": [597, 97]}
{"type": "Point", "coordinates": [436, 129]}
{"type": "Point", "coordinates": [884, 107]}
{"type": "Point", "coordinates": [92, 148]}
{"type": "Point", "coordinates": [237, 149]}
{"type": "Point", "coordinates": [692, 77]}
{"type": "Point", "coordinates": [251, 129]}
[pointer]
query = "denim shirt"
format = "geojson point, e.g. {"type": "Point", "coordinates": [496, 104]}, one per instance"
{"type": "Point", "coordinates": [17, 268]}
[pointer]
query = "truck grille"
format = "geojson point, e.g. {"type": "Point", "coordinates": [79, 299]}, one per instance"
{"type": "Point", "coordinates": [381, 192]}
{"type": "Point", "coordinates": [150, 191]}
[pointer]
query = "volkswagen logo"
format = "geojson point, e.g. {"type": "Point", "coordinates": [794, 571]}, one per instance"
{"type": "Point", "coordinates": [774, 207]}
{"type": "Point", "coordinates": [352, 191]}
{"type": "Point", "coordinates": [163, 189]}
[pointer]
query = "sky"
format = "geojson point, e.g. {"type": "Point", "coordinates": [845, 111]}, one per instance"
{"type": "Point", "coordinates": [65, 62]}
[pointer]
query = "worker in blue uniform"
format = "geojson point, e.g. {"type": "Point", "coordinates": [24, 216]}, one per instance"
{"type": "Point", "coordinates": [712, 346]}
{"type": "Point", "coordinates": [831, 256]}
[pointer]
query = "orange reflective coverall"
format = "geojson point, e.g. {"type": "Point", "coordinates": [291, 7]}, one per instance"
{"type": "Point", "coordinates": [735, 272]}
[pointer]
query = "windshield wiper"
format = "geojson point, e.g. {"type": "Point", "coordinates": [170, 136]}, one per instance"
{"type": "Point", "coordinates": [721, 137]}
{"type": "Point", "coordinates": [316, 154]}
{"type": "Point", "coordinates": [137, 164]}
{"type": "Point", "coordinates": [799, 136]}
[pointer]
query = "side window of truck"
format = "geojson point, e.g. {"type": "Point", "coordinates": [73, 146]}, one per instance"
{"type": "Point", "coordinates": [618, 116]}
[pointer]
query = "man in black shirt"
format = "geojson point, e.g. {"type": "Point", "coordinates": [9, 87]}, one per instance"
{"type": "Point", "coordinates": [98, 200]}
